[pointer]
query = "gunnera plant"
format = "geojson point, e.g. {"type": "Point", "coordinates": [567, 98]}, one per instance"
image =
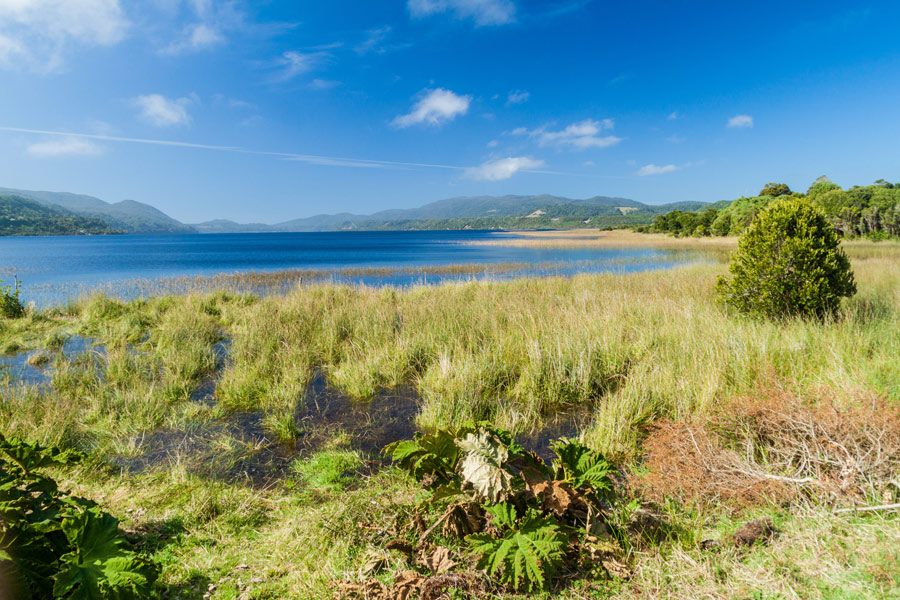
{"type": "Point", "coordinates": [788, 264]}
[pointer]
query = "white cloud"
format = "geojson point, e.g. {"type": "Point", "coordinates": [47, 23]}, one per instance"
{"type": "Point", "coordinates": [493, 144]}
{"type": "Point", "coordinates": [199, 36]}
{"type": "Point", "coordinates": [292, 64]}
{"type": "Point", "coordinates": [163, 112]}
{"type": "Point", "coordinates": [436, 107]}
{"type": "Point", "coordinates": [581, 135]}
{"type": "Point", "coordinates": [210, 24]}
{"type": "Point", "coordinates": [673, 115]}
{"type": "Point", "coordinates": [517, 97]}
{"type": "Point", "coordinates": [483, 12]}
{"type": "Point", "coordinates": [740, 121]}
{"type": "Point", "coordinates": [38, 33]}
{"type": "Point", "coordinates": [66, 146]}
{"type": "Point", "coordinates": [652, 169]}
{"type": "Point", "coordinates": [503, 168]}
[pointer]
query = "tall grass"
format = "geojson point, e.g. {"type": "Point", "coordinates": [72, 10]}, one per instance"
{"type": "Point", "coordinates": [631, 346]}
{"type": "Point", "coordinates": [623, 349]}
{"type": "Point", "coordinates": [626, 348]}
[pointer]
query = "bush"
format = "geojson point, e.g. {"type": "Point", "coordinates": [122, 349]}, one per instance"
{"type": "Point", "coordinates": [10, 305]}
{"type": "Point", "coordinates": [788, 264]}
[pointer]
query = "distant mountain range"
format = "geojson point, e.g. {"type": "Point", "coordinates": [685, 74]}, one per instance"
{"type": "Point", "coordinates": [477, 212]}
{"type": "Point", "coordinates": [468, 212]}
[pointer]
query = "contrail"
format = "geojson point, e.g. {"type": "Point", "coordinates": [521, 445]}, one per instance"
{"type": "Point", "coordinates": [314, 159]}
{"type": "Point", "coordinates": [309, 158]}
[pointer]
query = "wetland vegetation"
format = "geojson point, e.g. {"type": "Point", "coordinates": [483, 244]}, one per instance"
{"type": "Point", "coordinates": [238, 437]}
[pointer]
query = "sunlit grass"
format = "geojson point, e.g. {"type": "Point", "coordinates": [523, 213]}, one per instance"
{"type": "Point", "coordinates": [626, 348]}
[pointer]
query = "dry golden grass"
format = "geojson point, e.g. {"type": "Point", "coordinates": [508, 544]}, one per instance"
{"type": "Point", "coordinates": [597, 238]}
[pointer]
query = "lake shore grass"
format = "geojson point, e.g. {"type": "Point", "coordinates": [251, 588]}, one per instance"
{"type": "Point", "coordinates": [229, 491]}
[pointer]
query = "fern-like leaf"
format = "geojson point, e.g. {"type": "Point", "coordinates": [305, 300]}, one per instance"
{"type": "Point", "coordinates": [582, 467]}
{"type": "Point", "coordinates": [526, 557]}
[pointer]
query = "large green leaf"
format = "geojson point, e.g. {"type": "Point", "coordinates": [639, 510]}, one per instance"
{"type": "Point", "coordinates": [582, 467]}
{"type": "Point", "coordinates": [433, 455]}
{"type": "Point", "coordinates": [102, 565]}
{"type": "Point", "coordinates": [27, 457]}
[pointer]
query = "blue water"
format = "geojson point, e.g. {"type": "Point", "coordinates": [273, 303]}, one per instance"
{"type": "Point", "coordinates": [55, 268]}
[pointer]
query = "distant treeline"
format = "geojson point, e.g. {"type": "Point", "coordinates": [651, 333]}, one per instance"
{"type": "Point", "coordinates": [862, 211]}
{"type": "Point", "coordinates": [542, 222]}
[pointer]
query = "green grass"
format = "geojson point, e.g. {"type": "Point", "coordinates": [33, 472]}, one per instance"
{"type": "Point", "coordinates": [228, 500]}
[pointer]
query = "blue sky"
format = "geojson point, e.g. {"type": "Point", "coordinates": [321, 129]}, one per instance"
{"type": "Point", "coordinates": [266, 111]}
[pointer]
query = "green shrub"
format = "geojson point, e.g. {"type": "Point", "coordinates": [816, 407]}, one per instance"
{"type": "Point", "coordinates": [11, 306]}
{"type": "Point", "coordinates": [788, 264]}
{"type": "Point", "coordinates": [55, 545]}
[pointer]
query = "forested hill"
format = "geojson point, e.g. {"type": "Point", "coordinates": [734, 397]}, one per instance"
{"type": "Point", "coordinates": [479, 212]}
{"type": "Point", "coordinates": [871, 211]}
{"type": "Point", "coordinates": [20, 216]}
{"type": "Point", "coordinates": [126, 216]}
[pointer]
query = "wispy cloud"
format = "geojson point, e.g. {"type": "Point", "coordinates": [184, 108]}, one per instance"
{"type": "Point", "coordinates": [323, 84]}
{"type": "Point", "coordinates": [652, 169]}
{"type": "Point", "coordinates": [483, 12]}
{"type": "Point", "coordinates": [740, 121]}
{"type": "Point", "coordinates": [66, 146]}
{"type": "Point", "coordinates": [502, 168]}
{"type": "Point", "coordinates": [434, 108]}
{"type": "Point", "coordinates": [580, 135]}
{"type": "Point", "coordinates": [517, 97]}
{"type": "Point", "coordinates": [672, 115]}
{"type": "Point", "coordinates": [39, 33]}
{"type": "Point", "coordinates": [211, 23]}
{"type": "Point", "coordinates": [293, 63]}
{"type": "Point", "coordinates": [198, 36]}
{"type": "Point", "coordinates": [374, 41]}
{"type": "Point", "coordinates": [160, 111]}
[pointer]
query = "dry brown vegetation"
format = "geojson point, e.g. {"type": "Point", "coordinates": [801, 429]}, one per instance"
{"type": "Point", "coordinates": [773, 447]}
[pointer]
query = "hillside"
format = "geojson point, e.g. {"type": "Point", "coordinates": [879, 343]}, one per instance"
{"type": "Point", "coordinates": [492, 212]}
{"type": "Point", "coordinates": [127, 216]}
{"type": "Point", "coordinates": [21, 216]}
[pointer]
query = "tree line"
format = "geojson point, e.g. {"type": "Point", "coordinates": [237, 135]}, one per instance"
{"type": "Point", "coordinates": [871, 211]}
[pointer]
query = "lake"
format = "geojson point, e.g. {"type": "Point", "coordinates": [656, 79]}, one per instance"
{"type": "Point", "coordinates": [55, 269]}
